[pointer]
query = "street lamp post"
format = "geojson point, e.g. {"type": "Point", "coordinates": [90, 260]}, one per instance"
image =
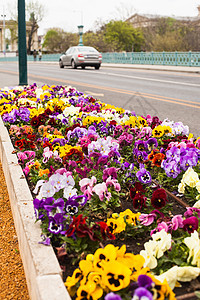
{"type": "Point", "coordinates": [22, 43]}
{"type": "Point", "coordinates": [4, 28]}
{"type": "Point", "coordinates": [80, 31]}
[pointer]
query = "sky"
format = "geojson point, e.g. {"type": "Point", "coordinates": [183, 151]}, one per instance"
{"type": "Point", "coordinates": [68, 14]}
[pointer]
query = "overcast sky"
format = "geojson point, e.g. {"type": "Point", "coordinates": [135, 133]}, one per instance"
{"type": "Point", "coordinates": [68, 14]}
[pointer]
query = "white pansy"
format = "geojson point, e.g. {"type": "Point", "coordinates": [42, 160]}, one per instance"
{"type": "Point", "coordinates": [181, 187]}
{"type": "Point", "coordinates": [150, 260]}
{"type": "Point", "coordinates": [187, 273]}
{"type": "Point", "coordinates": [197, 204]}
{"type": "Point", "coordinates": [174, 274]}
{"type": "Point", "coordinates": [39, 92]}
{"type": "Point", "coordinates": [164, 241]}
{"type": "Point", "coordinates": [193, 243]}
{"type": "Point", "coordinates": [58, 181]}
{"type": "Point", "coordinates": [69, 191]}
{"type": "Point", "coordinates": [170, 275]}
{"type": "Point", "coordinates": [47, 190]}
{"type": "Point", "coordinates": [190, 177]}
{"type": "Point", "coordinates": [71, 110]}
{"type": "Point", "coordinates": [198, 186]}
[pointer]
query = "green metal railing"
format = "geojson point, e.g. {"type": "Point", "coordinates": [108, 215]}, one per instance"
{"type": "Point", "coordinates": [154, 58]}
{"type": "Point", "coordinates": [189, 59]}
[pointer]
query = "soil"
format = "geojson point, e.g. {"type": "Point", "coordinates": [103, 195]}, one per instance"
{"type": "Point", "coordinates": [12, 279]}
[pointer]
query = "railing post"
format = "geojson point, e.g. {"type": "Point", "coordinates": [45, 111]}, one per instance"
{"type": "Point", "coordinates": [152, 58]}
{"type": "Point", "coordinates": [163, 57]}
{"type": "Point", "coordinates": [190, 58]}
{"type": "Point", "coordinates": [176, 61]}
{"type": "Point", "coordinates": [142, 56]}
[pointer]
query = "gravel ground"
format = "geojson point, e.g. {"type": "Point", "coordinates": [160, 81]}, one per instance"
{"type": "Point", "coordinates": [12, 278]}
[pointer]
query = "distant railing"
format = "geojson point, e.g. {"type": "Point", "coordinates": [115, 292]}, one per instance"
{"type": "Point", "coordinates": [189, 59]}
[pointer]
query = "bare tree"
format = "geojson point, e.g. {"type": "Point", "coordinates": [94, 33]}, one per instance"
{"type": "Point", "coordinates": [34, 15]}
{"type": "Point", "coordinates": [123, 12]}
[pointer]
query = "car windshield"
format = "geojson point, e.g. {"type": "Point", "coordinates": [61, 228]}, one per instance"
{"type": "Point", "coordinates": [87, 49]}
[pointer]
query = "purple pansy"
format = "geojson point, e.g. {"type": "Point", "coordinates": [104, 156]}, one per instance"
{"type": "Point", "coordinates": [56, 223]}
{"type": "Point", "coordinates": [143, 176]}
{"type": "Point", "coordinates": [71, 207]}
{"type": "Point", "coordinates": [112, 296]}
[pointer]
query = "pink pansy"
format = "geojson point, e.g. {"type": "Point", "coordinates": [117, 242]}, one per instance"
{"type": "Point", "coordinates": [113, 182]}
{"type": "Point", "coordinates": [86, 185]}
{"type": "Point", "coordinates": [177, 222]}
{"type": "Point", "coordinates": [147, 219]}
{"type": "Point", "coordinates": [145, 133]}
{"type": "Point", "coordinates": [22, 156]}
{"type": "Point", "coordinates": [149, 119]}
{"type": "Point", "coordinates": [47, 154]}
{"type": "Point", "coordinates": [86, 182]}
{"type": "Point", "coordinates": [26, 170]}
{"type": "Point", "coordinates": [31, 154]}
{"type": "Point", "coordinates": [101, 190]}
{"type": "Point", "coordinates": [160, 227]}
{"type": "Point", "coordinates": [61, 171]}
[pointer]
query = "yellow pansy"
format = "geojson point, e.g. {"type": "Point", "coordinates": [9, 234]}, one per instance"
{"type": "Point", "coordinates": [115, 276]}
{"type": "Point", "coordinates": [158, 131]}
{"type": "Point", "coordinates": [92, 119]}
{"type": "Point", "coordinates": [89, 291]}
{"type": "Point", "coordinates": [131, 122]}
{"type": "Point", "coordinates": [161, 290]}
{"type": "Point", "coordinates": [131, 218]}
{"type": "Point", "coordinates": [190, 136]}
{"type": "Point", "coordinates": [7, 108]}
{"type": "Point", "coordinates": [142, 122]}
{"type": "Point", "coordinates": [120, 110]}
{"type": "Point", "coordinates": [167, 129]}
{"type": "Point", "coordinates": [116, 225]}
{"type": "Point", "coordinates": [71, 282]}
{"type": "Point", "coordinates": [109, 253]}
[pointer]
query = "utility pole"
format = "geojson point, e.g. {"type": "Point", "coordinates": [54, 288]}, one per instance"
{"type": "Point", "coordinates": [4, 29]}
{"type": "Point", "coordinates": [22, 43]}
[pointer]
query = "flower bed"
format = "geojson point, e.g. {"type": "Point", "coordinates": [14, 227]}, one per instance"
{"type": "Point", "coordinates": [105, 184]}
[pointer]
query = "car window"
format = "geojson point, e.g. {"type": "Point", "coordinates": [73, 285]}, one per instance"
{"type": "Point", "coordinates": [87, 49]}
{"type": "Point", "coordinates": [68, 51]}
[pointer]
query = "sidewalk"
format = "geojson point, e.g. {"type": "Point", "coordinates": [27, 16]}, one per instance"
{"type": "Point", "coordinates": [154, 67]}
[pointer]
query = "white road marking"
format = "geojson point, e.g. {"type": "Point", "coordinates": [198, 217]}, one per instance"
{"type": "Point", "coordinates": [94, 94]}
{"type": "Point", "coordinates": [148, 79]}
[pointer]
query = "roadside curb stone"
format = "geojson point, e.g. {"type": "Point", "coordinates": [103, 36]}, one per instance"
{"type": "Point", "coordinates": [42, 270]}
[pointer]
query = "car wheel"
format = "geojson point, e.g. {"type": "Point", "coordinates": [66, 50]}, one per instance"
{"type": "Point", "coordinates": [97, 67]}
{"type": "Point", "coordinates": [83, 67]}
{"type": "Point", "coordinates": [74, 66]}
{"type": "Point", "coordinates": [61, 64]}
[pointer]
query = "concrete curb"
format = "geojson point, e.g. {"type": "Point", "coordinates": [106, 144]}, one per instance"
{"type": "Point", "coordinates": [42, 270]}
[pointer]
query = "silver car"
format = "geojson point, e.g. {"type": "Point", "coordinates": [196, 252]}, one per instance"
{"type": "Point", "coordinates": [81, 56]}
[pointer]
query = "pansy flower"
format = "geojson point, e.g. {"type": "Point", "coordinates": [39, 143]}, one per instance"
{"type": "Point", "coordinates": [115, 276]}
{"type": "Point", "coordinates": [56, 223]}
{"type": "Point", "coordinates": [112, 296]}
{"type": "Point", "coordinates": [190, 224]}
{"type": "Point", "coordinates": [139, 201]}
{"type": "Point", "coordinates": [143, 176]}
{"type": "Point", "coordinates": [159, 198]}
{"type": "Point", "coordinates": [71, 207]}
{"type": "Point", "coordinates": [116, 225]}
{"type": "Point", "coordinates": [89, 291]}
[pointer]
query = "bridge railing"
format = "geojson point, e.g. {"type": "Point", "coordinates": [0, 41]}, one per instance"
{"type": "Point", "coordinates": [154, 58]}
{"type": "Point", "coordinates": [189, 59]}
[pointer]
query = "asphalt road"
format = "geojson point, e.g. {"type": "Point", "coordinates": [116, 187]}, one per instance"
{"type": "Point", "coordinates": [172, 95]}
